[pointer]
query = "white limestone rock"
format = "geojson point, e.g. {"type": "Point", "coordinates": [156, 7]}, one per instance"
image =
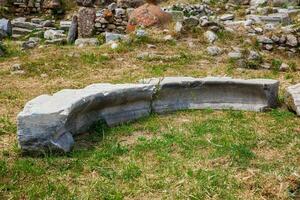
{"type": "Point", "coordinates": [54, 34]}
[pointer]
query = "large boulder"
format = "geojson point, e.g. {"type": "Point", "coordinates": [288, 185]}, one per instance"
{"type": "Point", "coordinates": [292, 98]}
{"type": "Point", "coordinates": [148, 15]}
{"type": "Point", "coordinates": [86, 21]}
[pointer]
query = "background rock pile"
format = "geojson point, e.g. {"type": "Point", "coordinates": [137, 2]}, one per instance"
{"type": "Point", "coordinates": [26, 7]}
{"type": "Point", "coordinates": [112, 19]}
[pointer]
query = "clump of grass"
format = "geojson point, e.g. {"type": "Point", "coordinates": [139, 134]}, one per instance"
{"type": "Point", "coordinates": [275, 64]}
{"type": "Point", "coordinates": [131, 172]}
{"type": "Point", "coordinates": [225, 36]}
{"type": "Point", "coordinates": [6, 126]}
{"type": "Point", "coordinates": [92, 58]}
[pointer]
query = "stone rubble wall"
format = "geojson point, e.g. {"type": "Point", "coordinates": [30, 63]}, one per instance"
{"type": "Point", "coordinates": [112, 20]}
{"type": "Point", "coordinates": [26, 7]}
{"type": "Point", "coordinates": [48, 123]}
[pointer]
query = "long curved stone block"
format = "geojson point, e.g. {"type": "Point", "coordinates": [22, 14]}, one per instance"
{"type": "Point", "coordinates": [50, 122]}
{"type": "Point", "coordinates": [178, 93]}
{"type": "Point", "coordinates": [292, 98]}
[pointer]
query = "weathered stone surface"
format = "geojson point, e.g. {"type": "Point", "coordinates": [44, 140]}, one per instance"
{"type": "Point", "coordinates": [73, 30]}
{"type": "Point", "coordinates": [86, 21]}
{"type": "Point", "coordinates": [178, 93]}
{"type": "Point", "coordinates": [292, 98]}
{"type": "Point", "coordinates": [49, 122]}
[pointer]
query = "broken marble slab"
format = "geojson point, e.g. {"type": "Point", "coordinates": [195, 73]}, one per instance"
{"type": "Point", "coordinates": [292, 98]}
{"type": "Point", "coordinates": [180, 93]}
{"type": "Point", "coordinates": [48, 123]}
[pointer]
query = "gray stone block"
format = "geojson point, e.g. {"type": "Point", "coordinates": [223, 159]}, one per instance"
{"type": "Point", "coordinates": [292, 98]}
{"type": "Point", "coordinates": [180, 93]}
{"type": "Point", "coordinates": [48, 123]}
{"type": "Point", "coordinates": [6, 26]}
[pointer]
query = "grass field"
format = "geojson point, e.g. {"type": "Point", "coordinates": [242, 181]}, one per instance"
{"type": "Point", "coordinates": [185, 155]}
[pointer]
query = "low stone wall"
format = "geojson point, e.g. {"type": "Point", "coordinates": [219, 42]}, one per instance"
{"type": "Point", "coordinates": [50, 122]}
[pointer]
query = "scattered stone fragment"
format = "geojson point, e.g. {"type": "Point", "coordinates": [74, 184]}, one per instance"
{"type": "Point", "coordinates": [235, 55]}
{"type": "Point", "coordinates": [109, 37]}
{"type": "Point", "coordinates": [16, 67]}
{"type": "Point", "coordinates": [214, 50]}
{"type": "Point", "coordinates": [29, 44]}
{"type": "Point", "coordinates": [57, 41]}
{"type": "Point", "coordinates": [210, 36]}
{"type": "Point", "coordinates": [141, 33]}
{"type": "Point", "coordinates": [86, 42]}
{"type": "Point", "coordinates": [264, 39]}
{"type": "Point", "coordinates": [269, 47]}
{"type": "Point", "coordinates": [178, 27]}
{"type": "Point", "coordinates": [284, 67]}
{"type": "Point", "coordinates": [114, 45]}
{"type": "Point", "coordinates": [54, 34]}
{"type": "Point", "coordinates": [291, 40]}
{"type": "Point", "coordinates": [226, 17]}
{"type": "Point", "coordinates": [254, 55]}
{"type": "Point", "coordinates": [190, 22]}
{"type": "Point", "coordinates": [168, 38]}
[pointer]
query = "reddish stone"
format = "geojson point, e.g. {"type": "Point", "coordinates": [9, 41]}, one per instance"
{"type": "Point", "coordinates": [148, 15]}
